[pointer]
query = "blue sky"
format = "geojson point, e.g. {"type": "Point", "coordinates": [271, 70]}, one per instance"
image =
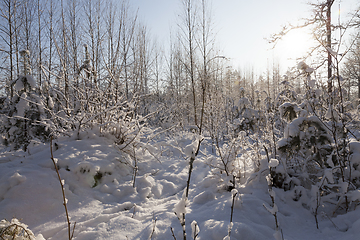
{"type": "Point", "coordinates": [241, 26]}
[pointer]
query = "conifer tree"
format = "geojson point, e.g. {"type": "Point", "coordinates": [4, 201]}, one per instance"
{"type": "Point", "coordinates": [25, 112]}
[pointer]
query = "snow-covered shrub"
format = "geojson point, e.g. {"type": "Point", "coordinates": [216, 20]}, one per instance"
{"type": "Point", "coordinates": [247, 118]}
{"type": "Point", "coordinates": [15, 230]}
{"type": "Point", "coordinates": [273, 209]}
{"type": "Point", "coordinates": [318, 161]}
{"type": "Point", "coordinates": [286, 95]}
{"type": "Point", "coordinates": [26, 115]}
{"type": "Point", "coordinates": [354, 159]}
{"type": "Point", "coordinates": [237, 159]}
{"type": "Point", "coordinates": [305, 147]}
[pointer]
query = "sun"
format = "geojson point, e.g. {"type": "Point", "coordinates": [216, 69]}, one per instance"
{"type": "Point", "coordinates": [294, 45]}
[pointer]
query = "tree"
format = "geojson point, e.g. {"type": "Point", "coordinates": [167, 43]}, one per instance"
{"type": "Point", "coordinates": [322, 30]}
{"type": "Point", "coordinates": [187, 37]}
{"type": "Point", "coordinates": [26, 112]}
{"type": "Point", "coordinates": [352, 66]}
{"type": "Point", "coordinates": [9, 39]}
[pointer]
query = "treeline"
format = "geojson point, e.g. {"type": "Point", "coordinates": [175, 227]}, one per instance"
{"type": "Point", "coordinates": [90, 56]}
{"type": "Point", "coordinates": [77, 47]}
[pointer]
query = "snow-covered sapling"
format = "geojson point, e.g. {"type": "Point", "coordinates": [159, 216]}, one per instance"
{"type": "Point", "coordinates": [272, 163]}
{"type": "Point", "coordinates": [172, 232]}
{"type": "Point", "coordinates": [134, 210]}
{"type": "Point", "coordinates": [192, 150]}
{"type": "Point", "coordinates": [180, 211]}
{"type": "Point", "coordinates": [315, 202]}
{"type": "Point", "coordinates": [62, 182]}
{"type": "Point", "coordinates": [153, 227]}
{"type": "Point", "coordinates": [234, 192]}
{"type": "Point", "coordinates": [194, 229]}
{"type": "Point", "coordinates": [135, 167]}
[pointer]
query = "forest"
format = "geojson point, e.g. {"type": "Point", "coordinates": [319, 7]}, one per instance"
{"type": "Point", "coordinates": [108, 134]}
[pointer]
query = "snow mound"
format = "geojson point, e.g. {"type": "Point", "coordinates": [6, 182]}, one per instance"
{"type": "Point", "coordinates": [105, 202]}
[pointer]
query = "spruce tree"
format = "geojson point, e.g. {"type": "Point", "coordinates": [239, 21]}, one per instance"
{"type": "Point", "coordinates": [25, 113]}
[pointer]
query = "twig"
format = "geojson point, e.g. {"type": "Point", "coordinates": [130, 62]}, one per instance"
{"type": "Point", "coordinates": [316, 210]}
{"type": "Point", "coordinates": [134, 210]}
{"type": "Point", "coordinates": [192, 159]}
{"type": "Point", "coordinates": [232, 207]}
{"type": "Point", "coordinates": [336, 227]}
{"type": "Point", "coordinates": [196, 234]}
{"type": "Point", "coordinates": [183, 225]}
{"type": "Point", "coordinates": [70, 233]}
{"type": "Point", "coordinates": [136, 167]}
{"type": "Point", "coordinates": [182, 222]}
{"type": "Point", "coordinates": [154, 227]}
{"type": "Point", "coordinates": [152, 154]}
{"type": "Point", "coordinates": [272, 196]}
{"type": "Point", "coordinates": [172, 231]}
{"type": "Point", "coordinates": [234, 193]}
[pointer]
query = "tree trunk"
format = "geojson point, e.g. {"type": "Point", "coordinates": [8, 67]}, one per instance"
{"type": "Point", "coordinates": [328, 42]}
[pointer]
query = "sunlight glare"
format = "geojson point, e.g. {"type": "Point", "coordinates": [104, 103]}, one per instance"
{"type": "Point", "coordinates": [294, 45]}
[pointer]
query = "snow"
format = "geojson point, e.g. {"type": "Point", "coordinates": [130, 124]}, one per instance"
{"type": "Point", "coordinates": [332, 114]}
{"type": "Point", "coordinates": [234, 192]}
{"type": "Point", "coordinates": [277, 235]}
{"type": "Point", "coordinates": [30, 79]}
{"type": "Point", "coordinates": [273, 210]}
{"type": "Point", "coordinates": [50, 103]}
{"type": "Point", "coordinates": [243, 103]}
{"type": "Point", "coordinates": [19, 85]}
{"type": "Point", "coordinates": [354, 147]}
{"type": "Point", "coordinates": [22, 105]}
{"type": "Point", "coordinates": [113, 209]}
{"type": "Point", "coordinates": [329, 176]}
{"type": "Point", "coordinates": [293, 128]}
{"type": "Point", "coordinates": [343, 187]}
{"type": "Point", "coordinates": [180, 207]}
{"type": "Point", "coordinates": [191, 149]}
{"type": "Point", "coordinates": [303, 66]}
{"type": "Point", "coordinates": [204, 197]}
{"type": "Point", "coordinates": [194, 229]}
{"type": "Point", "coordinates": [332, 52]}
{"type": "Point", "coordinates": [312, 83]}
{"type": "Point", "coordinates": [273, 162]}
{"type": "Point", "coordinates": [13, 226]}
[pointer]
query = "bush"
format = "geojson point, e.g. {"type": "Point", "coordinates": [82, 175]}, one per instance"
{"type": "Point", "coordinates": [15, 230]}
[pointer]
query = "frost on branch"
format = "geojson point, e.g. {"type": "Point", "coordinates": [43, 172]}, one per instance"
{"type": "Point", "coordinates": [191, 149]}
{"type": "Point", "coordinates": [304, 67]}
{"type": "Point", "coordinates": [180, 207]}
{"type": "Point", "coordinates": [234, 192]}
{"type": "Point", "coordinates": [273, 210]}
{"type": "Point", "coordinates": [194, 229]}
{"type": "Point", "coordinates": [273, 162]}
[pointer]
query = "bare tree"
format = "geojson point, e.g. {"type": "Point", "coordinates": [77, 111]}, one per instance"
{"type": "Point", "coordinates": [63, 53]}
{"type": "Point", "coordinates": [73, 38]}
{"type": "Point", "coordinates": [187, 37]}
{"type": "Point", "coordinates": [158, 65]}
{"type": "Point", "coordinates": [352, 66]}
{"type": "Point", "coordinates": [92, 30]}
{"type": "Point", "coordinates": [9, 38]}
{"type": "Point", "coordinates": [40, 11]}
{"type": "Point", "coordinates": [206, 44]}
{"type": "Point", "coordinates": [50, 32]}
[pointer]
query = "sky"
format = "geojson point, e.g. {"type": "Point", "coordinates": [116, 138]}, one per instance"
{"type": "Point", "coordinates": [242, 26]}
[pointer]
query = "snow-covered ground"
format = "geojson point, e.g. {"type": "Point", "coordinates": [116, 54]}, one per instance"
{"type": "Point", "coordinates": [105, 205]}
